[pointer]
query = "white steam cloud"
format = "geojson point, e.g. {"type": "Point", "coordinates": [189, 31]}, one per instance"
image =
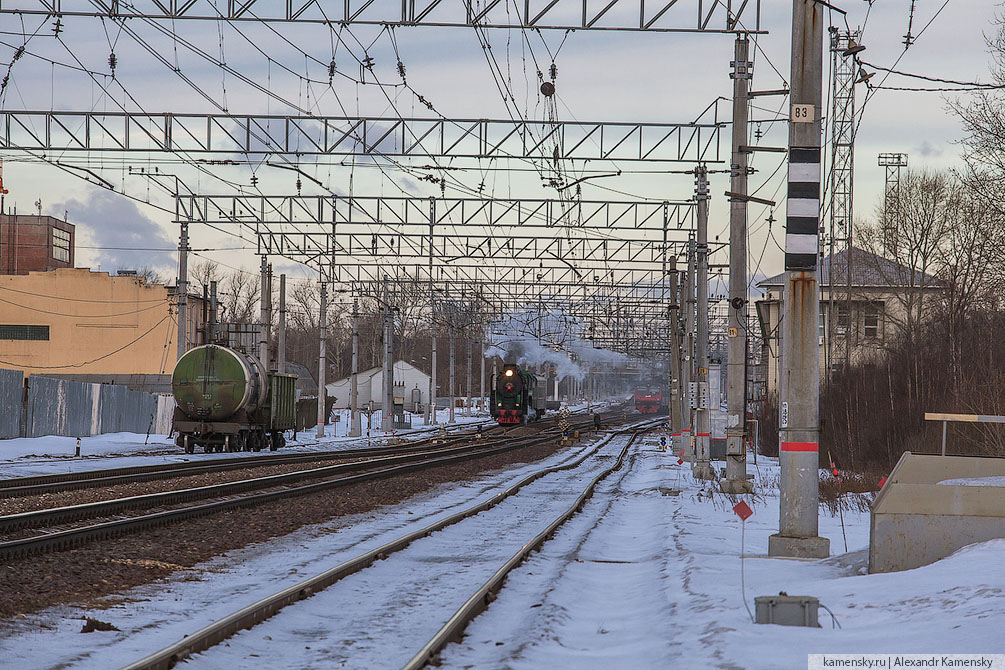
{"type": "Point", "coordinates": [528, 337]}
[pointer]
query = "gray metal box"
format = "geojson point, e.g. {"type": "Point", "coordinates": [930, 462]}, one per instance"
{"type": "Point", "coordinates": [786, 610]}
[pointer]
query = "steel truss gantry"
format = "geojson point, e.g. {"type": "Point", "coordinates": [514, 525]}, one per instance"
{"type": "Point", "coordinates": [631, 317]}
{"type": "Point", "coordinates": [603, 263]}
{"type": "Point", "coordinates": [702, 16]}
{"type": "Point", "coordinates": [256, 135]}
{"type": "Point", "coordinates": [481, 237]}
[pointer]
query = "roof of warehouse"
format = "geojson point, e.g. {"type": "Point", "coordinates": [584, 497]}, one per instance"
{"type": "Point", "coordinates": [867, 269]}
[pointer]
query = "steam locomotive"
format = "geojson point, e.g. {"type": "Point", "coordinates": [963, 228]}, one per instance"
{"type": "Point", "coordinates": [515, 396]}
{"type": "Point", "coordinates": [228, 401]}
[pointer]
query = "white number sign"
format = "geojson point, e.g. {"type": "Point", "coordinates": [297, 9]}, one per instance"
{"type": "Point", "coordinates": [802, 114]}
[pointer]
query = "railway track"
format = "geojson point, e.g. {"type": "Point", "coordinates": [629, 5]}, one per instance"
{"type": "Point", "coordinates": [231, 495]}
{"type": "Point", "coordinates": [84, 479]}
{"type": "Point", "coordinates": [213, 634]}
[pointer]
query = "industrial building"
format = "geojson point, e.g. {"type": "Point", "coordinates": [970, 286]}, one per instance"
{"type": "Point", "coordinates": [91, 326]}
{"type": "Point", "coordinates": [410, 383]}
{"type": "Point", "coordinates": [34, 243]}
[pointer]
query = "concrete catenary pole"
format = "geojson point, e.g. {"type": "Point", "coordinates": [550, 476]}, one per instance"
{"type": "Point", "coordinates": [322, 357]}
{"type": "Point", "coordinates": [355, 423]}
{"type": "Point", "coordinates": [213, 312]}
{"type": "Point", "coordinates": [736, 365]}
{"type": "Point", "coordinates": [281, 353]}
{"type": "Point", "coordinates": [182, 290]}
{"type": "Point", "coordinates": [799, 388]}
{"type": "Point", "coordinates": [263, 320]}
{"type": "Point", "coordinates": [702, 466]}
{"type": "Point", "coordinates": [687, 376]}
{"type": "Point", "coordinates": [452, 388]}
{"type": "Point", "coordinates": [481, 376]}
{"type": "Point", "coordinates": [676, 408]}
{"type": "Point", "coordinates": [431, 407]}
{"type": "Point", "coordinates": [467, 406]}
{"type": "Point", "coordinates": [387, 404]}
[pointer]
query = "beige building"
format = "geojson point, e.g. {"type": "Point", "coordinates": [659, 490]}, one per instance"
{"type": "Point", "coordinates": [89, 325]}
{"type": "Point", "coordinates": [857, 318]}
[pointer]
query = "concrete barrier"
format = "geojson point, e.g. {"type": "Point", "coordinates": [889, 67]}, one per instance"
{"type": "Point", "coordinates": [917, 521]}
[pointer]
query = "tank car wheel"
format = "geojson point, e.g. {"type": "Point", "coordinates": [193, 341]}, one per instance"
{"type": "Point", "coordinates": [259, 441]}
{"type": "Point", "coordinates": [274, 441]}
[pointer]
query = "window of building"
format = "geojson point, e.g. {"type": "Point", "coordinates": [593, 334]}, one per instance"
{"type": "Point", "coordinates": [61, 245]}
{"type": "Point", "coordinates": [871, 319]}
{"type": "Point", "coordinates": [12, 332]}
{"type": "Point", "coordinates": [843, 320]}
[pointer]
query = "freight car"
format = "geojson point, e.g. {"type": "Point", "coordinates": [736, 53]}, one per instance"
{"type": "Point", "coordinates": [228, 401]}
{"type": "Point", "coordinates": [516, 398]}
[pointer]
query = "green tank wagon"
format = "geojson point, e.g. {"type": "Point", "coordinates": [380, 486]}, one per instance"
{"type": "Point", "coordinates": [227, 401]}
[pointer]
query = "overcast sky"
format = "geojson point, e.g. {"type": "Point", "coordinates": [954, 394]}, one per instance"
{"type": "Point", "coordinates": [601, 76]}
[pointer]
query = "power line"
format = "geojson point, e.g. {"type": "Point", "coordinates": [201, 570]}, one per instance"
{"type": "Point", "coordinates": [938, 80]}
{"type": "Point", "coordinates": [95, 360]}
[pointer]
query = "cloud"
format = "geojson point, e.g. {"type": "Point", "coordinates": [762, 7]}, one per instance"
{"type": "Point", "coordinates": [928, 150]}
{"type": "Point", "coordinates": [122, 234]}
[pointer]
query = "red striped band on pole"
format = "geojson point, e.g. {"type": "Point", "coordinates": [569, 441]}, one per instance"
{"type": "Point", "coordinates": [799, 446]}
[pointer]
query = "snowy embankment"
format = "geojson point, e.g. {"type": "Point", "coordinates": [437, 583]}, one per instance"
{"type": "Point", "coordinates": [641, 578]}
{"type": "Point", "coordinates": [25, 457]}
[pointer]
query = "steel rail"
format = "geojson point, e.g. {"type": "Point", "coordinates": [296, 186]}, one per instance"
{"type": "Point", "coordinates": [14, 483]}
{"type": "Point", "coordinates": [81, 479]}
{"type": "Point", "coordinates": [72, 538]}
{"type": "Point", "coordinates": [70, 481]}
{"type": "Point", "coordinates": [263, 609]}
{"type": "Point", "coordinates": [453, 629]}
{"type": "Point", "coordinates": [103, 508]}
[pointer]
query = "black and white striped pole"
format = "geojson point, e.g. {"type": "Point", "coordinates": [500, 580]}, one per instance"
{"type": "Point", "coordinates": [799, 383]}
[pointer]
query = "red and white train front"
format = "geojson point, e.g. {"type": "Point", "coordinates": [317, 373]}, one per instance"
{"type": "Point", "coordinates": [648, 399]}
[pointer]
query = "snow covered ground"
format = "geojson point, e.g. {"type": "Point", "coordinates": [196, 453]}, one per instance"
{"type": "Point", "coordinates": [639, 579]}
{"type": "Point", "coordinates": [23, 457]}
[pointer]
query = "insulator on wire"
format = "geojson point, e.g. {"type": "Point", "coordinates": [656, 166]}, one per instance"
{"type": "Point", "coordinates": [112, 61]}
{"type": "Point", "coordinates": [331, 71]}
{"type": "Point", "coordinates": [554, 72]}
{"type": "Point", "coordinates": [299, 185]}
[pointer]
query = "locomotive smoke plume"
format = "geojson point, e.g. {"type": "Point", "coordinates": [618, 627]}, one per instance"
{"type": "Point", "coordinates": [532, 338]}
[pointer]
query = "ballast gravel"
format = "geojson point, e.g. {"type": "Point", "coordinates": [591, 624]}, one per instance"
{"type": "Point", "coordinates": [104, 568]}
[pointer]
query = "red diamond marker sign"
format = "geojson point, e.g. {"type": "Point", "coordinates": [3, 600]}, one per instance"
{"type": "Point", "coordinates": [742, 510]}
{"type": "Point", "coordinates": [680, 461]}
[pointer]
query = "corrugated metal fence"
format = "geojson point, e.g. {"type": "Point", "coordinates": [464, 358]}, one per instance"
{"type": "Point", "coordinates": [78, 409]}
{"type": "Point", "coordinates": [11, 397]}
